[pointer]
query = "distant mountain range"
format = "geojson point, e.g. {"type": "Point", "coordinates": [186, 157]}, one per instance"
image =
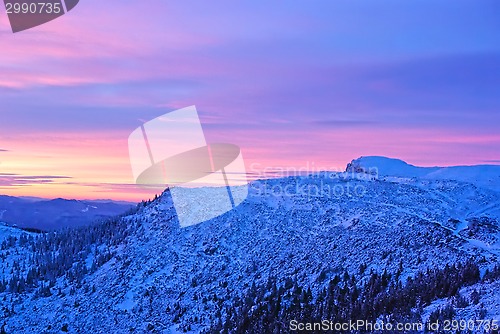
{"type": "Point", "coordinates": [42, 214]}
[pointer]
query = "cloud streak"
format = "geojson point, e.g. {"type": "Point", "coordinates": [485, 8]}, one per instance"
{"type": "Point", "coordinates": [15, 180]}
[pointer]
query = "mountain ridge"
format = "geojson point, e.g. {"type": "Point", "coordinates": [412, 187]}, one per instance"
{"type": "Point", "coordinates": [485, 175]}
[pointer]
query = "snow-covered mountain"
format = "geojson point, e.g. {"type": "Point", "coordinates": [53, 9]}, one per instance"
{"type": "Point", "coordinates": [142, 273]}
{"type": "Point", "coordinates": [487, 176]}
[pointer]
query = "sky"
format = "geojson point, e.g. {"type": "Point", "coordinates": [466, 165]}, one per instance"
{"type": "Point", "coordinates": [300, 84]}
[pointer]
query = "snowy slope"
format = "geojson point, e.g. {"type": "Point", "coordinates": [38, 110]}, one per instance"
{"type": "Point", "coordinates": [161, 278]}
{"type": "Point", "coordinates": [7, 231]}
{"type": "Point", "coordinates": [486, 176]}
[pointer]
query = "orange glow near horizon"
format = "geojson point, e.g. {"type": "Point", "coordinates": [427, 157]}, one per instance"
{"type": "Point", "coordinates": [96, 165]}
{"type": "Point", "coordinates": [72, 166]}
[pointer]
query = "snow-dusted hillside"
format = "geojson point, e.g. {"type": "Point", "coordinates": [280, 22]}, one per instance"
{"type": "Point", "coordinates": [142, 273]}
{"type": "Point", "coordinates": [7, 231]}
{"type": "Point", "coordinates": [487, 176]}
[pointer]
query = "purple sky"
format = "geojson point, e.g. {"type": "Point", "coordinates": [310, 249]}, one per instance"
{"type": "Point", "coordinates": [293, 83]}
